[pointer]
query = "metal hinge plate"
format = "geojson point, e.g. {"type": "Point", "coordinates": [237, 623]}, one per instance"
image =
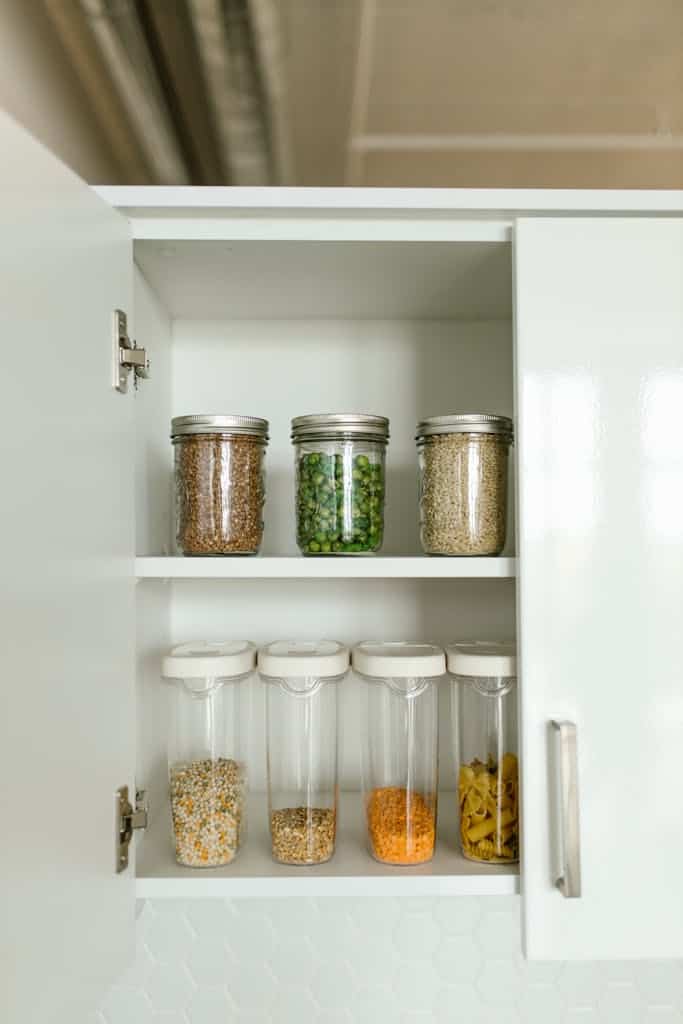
{"type": "Point", "coordinates": [126, 355]}
{"type": "Point", "coordinates": [127, 820]}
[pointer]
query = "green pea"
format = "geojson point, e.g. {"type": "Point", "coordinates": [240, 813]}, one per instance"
{"type": "Point", "coordinates": [313, 546]}
{"type": "Point", "coordinates": [362, 461]}
{"type": "Point", "coordinates": [325, 547]}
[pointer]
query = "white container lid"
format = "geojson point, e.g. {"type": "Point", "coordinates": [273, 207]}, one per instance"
{"type": "Point", "coordinates": [482, 658]}
{"type": "Point", "coordinates": [209, 660]}
{"type": "Point", "coordinates": [398, 660]}
{"type": "Point", "coordinates": [290, 659]}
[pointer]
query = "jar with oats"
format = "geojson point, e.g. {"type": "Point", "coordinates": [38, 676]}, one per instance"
{"type": "Point", "coordinates": [484, 703]}
{"type": "Point", "coordinates": [207, 773]}
{"type": "Point", "coordinates": [302, 696]}
{"type": "Point", "coordinates": [464, 483]}
{"type": "Point", "coordinates": [399, 749]}
{"type": "Point", "coordinates": [219, 483]}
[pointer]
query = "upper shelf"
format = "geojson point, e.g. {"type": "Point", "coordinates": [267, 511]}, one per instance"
{"type": "Point", "coordinates": [297, 567]}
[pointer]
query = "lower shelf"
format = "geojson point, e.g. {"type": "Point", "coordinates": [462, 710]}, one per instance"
{"type": "Point", "coordinates": [350, 871]}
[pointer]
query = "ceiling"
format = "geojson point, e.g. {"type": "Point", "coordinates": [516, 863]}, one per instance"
{"type": "Point", "coordinates": [517, 93]}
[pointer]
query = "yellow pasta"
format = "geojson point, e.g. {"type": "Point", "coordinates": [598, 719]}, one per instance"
{"type": "Point", "coordinates": [489, 810]}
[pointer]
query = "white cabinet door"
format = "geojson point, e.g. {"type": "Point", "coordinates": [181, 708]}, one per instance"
{"type": "Point", "coordinates": [66, 589]}
{"type": "Point", "coordinates": [599, 334]}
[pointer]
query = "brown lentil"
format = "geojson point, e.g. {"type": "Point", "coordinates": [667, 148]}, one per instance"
{"type": "Point", "coordinates": [220, 492]}
{"type": "Point", "coordinates": [207, 804]}
{"type": "Point", "coordinates": [303, 835]}
{"type": "Point", "coordinates": [463, 501]}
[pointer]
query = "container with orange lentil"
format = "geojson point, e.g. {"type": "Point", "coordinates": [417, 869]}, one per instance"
{"type": "Point", "coordinates": [206, 773]}
{"type": "Point", "coordinates": [400, 755]}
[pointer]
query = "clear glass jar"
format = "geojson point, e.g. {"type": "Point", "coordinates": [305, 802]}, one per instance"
{"type": "Point", "coordinates": [207, 773]}
{"type": "Point", "coordinates": [302, 746]}
{"type": "Point", "coordinates": [219, 483]}
{"type": "Point", "coordinates": [464, 483]}
{"type": "Point", "coordinates": [484, 698]}
{"type": "Point", "coordinates": [340, 483]}
{"type": "Point", "coordinates": [400, 748]}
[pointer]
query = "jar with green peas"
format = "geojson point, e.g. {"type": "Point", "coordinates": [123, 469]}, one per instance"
{"type": "Point", "coordinates": [340, 483]}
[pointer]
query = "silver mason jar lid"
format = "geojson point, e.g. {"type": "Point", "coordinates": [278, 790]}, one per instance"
{"type": "Point", "coordinates": [466, 423]}
{"type": "Point", "coordinates": [340, 424]}
{"type": "Point", "coordinates": [250, 426]}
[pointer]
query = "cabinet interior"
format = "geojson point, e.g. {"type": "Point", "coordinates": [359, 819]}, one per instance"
{"type": "Point", "coordinates": [278, 329]}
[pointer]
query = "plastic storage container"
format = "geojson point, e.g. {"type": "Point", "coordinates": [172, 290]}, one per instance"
{"type": "Point", "coordinates": [464, 483]}
{"type": "Point", "coordinates": [400, 752]}
{"type": "Point", "coordinates": [302, 746]}
{"type": "Point", "coordinates": [219, 483]}
{"type": "Point", "coordinates": [207, 774]}
{"type": "Point", "coordinates": [484, 694]}
{"type": "Point", "coordinates": [340, 483]}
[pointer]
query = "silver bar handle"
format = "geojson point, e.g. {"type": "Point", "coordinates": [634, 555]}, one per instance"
{"type": "Point", "coordinates": [569, 882]}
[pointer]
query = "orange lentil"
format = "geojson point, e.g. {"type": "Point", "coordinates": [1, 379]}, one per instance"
{"type": "Point", "coordinates": [402, 825]}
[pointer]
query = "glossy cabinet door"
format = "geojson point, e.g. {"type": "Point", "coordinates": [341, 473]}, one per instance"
{"type": "Point", "coordinates": [599, 392]}
{"type": "Point", "coordinates": [67, 721]}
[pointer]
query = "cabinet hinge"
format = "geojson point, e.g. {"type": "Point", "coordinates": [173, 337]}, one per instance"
{"type": "Point", "coordinates": [127, 820]}
{"type": "Point", "coordinates": [126, 355]}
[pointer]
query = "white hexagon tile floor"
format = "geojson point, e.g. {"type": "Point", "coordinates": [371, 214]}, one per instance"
{"type": "Point", "coordinates": [377, 961]}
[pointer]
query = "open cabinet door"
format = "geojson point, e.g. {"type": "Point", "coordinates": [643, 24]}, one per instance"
{"type": "Point", "coordinates": [66, 589]}
{"type": "Point", "coordinates": [599, 337]}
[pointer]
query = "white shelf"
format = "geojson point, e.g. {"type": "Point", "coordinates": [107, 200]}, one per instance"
{"type": "Point", "coordinates": [351, 871]}
{"type": "Point", "coordinates": [331, 568]}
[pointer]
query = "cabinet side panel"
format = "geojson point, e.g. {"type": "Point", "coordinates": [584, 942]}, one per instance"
{"type": "Point", "coordinates": [599, 394]}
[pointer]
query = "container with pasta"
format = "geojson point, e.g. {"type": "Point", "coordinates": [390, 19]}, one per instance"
{"type": "Point", "coordinates": [484, 692]}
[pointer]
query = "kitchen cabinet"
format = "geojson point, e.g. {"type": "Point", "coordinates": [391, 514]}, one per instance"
{"type": "Point", "coordinates": [281, 302]}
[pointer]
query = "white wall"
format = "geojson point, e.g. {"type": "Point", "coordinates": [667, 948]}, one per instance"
{"type": "Point", "coordinates": [40, 89]}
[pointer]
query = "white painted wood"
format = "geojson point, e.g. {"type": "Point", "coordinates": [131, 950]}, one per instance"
{"type": "Point", "coordinates": [599, 393]}
{"type": "Point", "coordinates": [331, 226]}
{"type": "Point", "coordinates": [469, 279]}
{"type": "Point", "coordinates": [351, 872]}
{"type": "Point", "coordinates": [66, 587]}
{"type": "Point", "coordinates": [153, 201]}
{"type": "Point", "coordinates": [299, 568]}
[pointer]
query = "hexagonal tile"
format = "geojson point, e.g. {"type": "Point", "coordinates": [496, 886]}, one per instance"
{"type": "Point", "coordinates": [458, 915]}
{"type": "Point", "coordinates": [581, 983]}
{"type": "Point", "coordinates": [416, 984]}
{"type": "Point", "coordinates": [660, 982]}
{"type": "Point", "coordinates": [498, 933]}
{"type": "Point", "coordinates": [538, 972]}
{"type": "Point", "coordinates": [455, 1003]}
{"type": "Point", "coordinates": [662, 1015]}
{"type": "Point", "coordinates": [581, 1015]}
{"type": "Point", "coordinates": [458, 959]}
{"type": "Point", "coordinates": [332, 1017]}
{"type": "Point", "coordinates": [169, 987]}
{"type": "Point", "coordinates": [294, 1004]}
{"type": "Point", "coordinates": [416, 935]}
{"type": "Point", "coordinates": [332, 986]}
{"type": "Point", "coordinates": [620, 1004]}
{"type": "Point", "coordinates": [499, 982]}
{"type": "Point", "coordinates": [252, 987]}
{"type": "Point", "coordinates": [505, 1015]}
{"type": "Point", "coordinates": [539, 1004]}
{"type": "Point", "coordinates": [208, 961]}
{"type": "Point", "coordinates": [376, 916]}
{"type": "Point", "coordinates": [126, 1006]}
{"type": "Point", "coordinates": [169, 940]}
{"type": "Point", "coordinates": [210, 917]}
{"type": "Point", "coordinates": [210, 1005]}
{"type": "Point", "coordinates": [253, 939]}
{"type": "Point", "coordinates": [373, 1004]}
{"type": "Point", "coordinates": [294, 962]}
{"type": "Point", "coordinates": [169, 1018]}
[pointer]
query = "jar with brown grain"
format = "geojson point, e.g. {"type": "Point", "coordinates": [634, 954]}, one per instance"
{"type": "Point", "coordinates": [219, 483]}
{"type": "Point", "coordinates": [464, 483]}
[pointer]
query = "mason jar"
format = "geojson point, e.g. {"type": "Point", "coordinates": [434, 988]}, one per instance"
{"type": "Point", "coordinates": [302, 700]}
{"type": "Point", "coordinates": [219, 483]}
{"type": "Point", "coordinates": [400, 747]}
{"type": "Point", "coordinates": [340, 483]}
{"type": "Point", "coordinates": [463, 462]}
{"type": "Point", "coordinates": [207, 771]}
{"type": "Point", "coordinates": [484, 703]}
